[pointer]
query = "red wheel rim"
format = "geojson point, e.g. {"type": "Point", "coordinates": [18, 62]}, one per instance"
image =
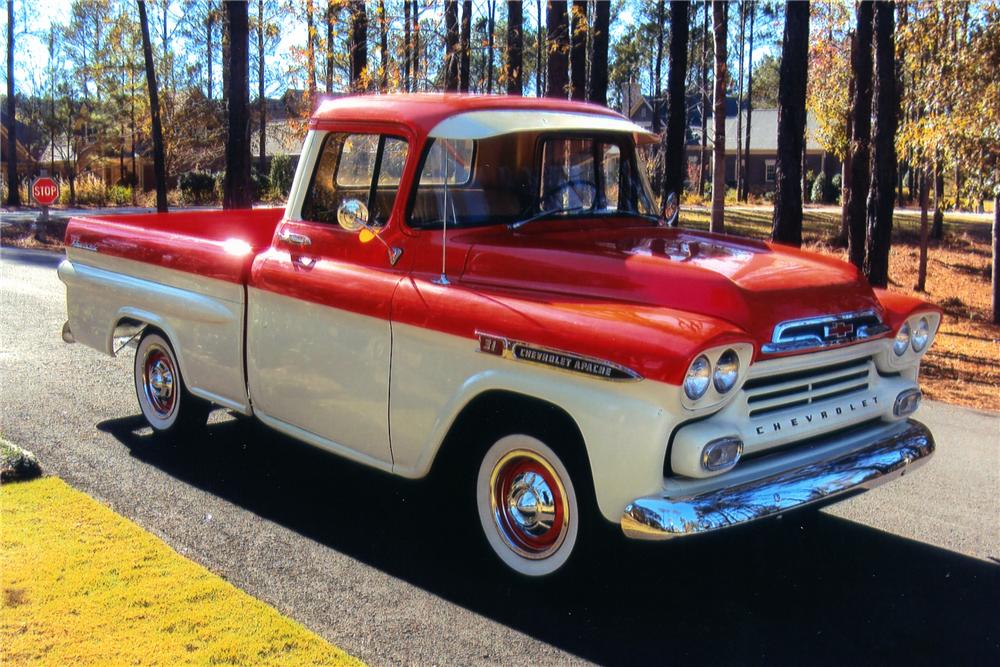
{"type": "Point", "coordinates": [529, 504]}
{"type": "Point", "coordinates": [159, 380]}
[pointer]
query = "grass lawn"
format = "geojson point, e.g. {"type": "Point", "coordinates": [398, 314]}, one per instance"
{"type": "Point", "coordinates": [83, 586]}
{"type": "Point", "coordinates": [963, 366]}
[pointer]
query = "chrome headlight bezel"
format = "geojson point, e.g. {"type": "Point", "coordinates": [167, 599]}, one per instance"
{"type": "Point", "coordinates": [726, 371]}
{"type": "Point", "coordinates": [920, 335]}
{"type": "Point", "coordinates": [698, 378]}
{"type": "Point", "coordinates": [902, 341]}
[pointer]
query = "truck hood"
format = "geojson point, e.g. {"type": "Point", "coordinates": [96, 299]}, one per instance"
{"type": "Point", "coordinates": [751, 284]}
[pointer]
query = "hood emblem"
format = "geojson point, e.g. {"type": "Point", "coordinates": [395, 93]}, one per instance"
{"type": "Point", "coordinates": [558, 359]}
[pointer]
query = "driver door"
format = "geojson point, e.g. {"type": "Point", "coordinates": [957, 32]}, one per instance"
{"type": "Point", "coordinates": [318, 332]}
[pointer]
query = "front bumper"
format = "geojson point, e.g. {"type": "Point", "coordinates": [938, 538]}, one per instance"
{"type": "Point", "coordinates": [892, 455]}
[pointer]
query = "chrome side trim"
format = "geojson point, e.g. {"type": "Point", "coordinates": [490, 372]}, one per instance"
{"type": "Point", "coordinates": [552, 358]}
{"type": "Point", "coordinates": [893, 455]}
{"type": "Point", "coordinates": [782, 342]}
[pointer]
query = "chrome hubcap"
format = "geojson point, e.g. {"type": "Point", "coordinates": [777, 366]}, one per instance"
{"type": "Point", "coordinates": [529, 504]}
{"type": "Point", "coordinates": [158, 381]}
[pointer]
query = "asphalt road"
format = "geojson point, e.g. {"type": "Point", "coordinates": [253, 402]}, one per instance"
{"type": "Point", "coordinates": [908, 572]}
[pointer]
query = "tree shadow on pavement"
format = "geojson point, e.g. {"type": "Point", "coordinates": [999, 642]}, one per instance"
{"type": "Point", "coordinates": [808, 588]}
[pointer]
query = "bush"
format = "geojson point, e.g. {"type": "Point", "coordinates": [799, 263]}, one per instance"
{"type": "Point", "coordinates": [119, 195]}
{"type": "Point", "coordinates": [837, 188]}
{"type": "Point", "coordinates": [818, 193]}
{"type": "Point", "coordinates": [197, 187]}
{"type": "Point", "coordinates": [91, 190]}
{"type": "Point", "coordinates": [281, 174]}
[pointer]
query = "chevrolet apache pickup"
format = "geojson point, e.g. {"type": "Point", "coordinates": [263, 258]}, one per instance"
{"type": "Point", "coordinates": [484, 285]}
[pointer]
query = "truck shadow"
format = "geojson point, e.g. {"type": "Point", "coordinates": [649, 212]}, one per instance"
{"type": "Point", "coordinates": [810, 587]}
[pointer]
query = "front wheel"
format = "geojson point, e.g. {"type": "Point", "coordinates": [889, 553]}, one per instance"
{"type": "Point", "coordinates": [164, 400]}
{"type": "Point", "coordinates": [527, 505]}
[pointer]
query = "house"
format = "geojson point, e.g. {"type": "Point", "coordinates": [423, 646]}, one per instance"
{"type": "Point", "coordinates": [763, 139]}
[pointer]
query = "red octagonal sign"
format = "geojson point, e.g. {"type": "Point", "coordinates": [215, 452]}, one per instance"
{"type": "Point", "coordinates": [45, 191]}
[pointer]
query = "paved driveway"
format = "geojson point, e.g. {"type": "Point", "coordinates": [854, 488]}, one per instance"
{"type": "Point", "coordinates": [906, 573]}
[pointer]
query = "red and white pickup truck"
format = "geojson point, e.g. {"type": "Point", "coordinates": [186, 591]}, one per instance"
{"type": "Point", "coordinates": [485, 282]}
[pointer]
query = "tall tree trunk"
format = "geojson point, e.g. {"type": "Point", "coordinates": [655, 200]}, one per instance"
{"type": "Point", "coordinates": [466, 47]}
{"type": "Point", "coordinates": [937, 228]}
{"type": "Point", "coordinates": [328, 19]}
{"type": "Point", "coordinates": [674, 157]}
{"type": "Point", "coordinates": [739, 97]}
{"type": "Point", "coordinates": [224, 42]}
{"type": "Point", "coordinates": [359, 46]}
{"type": "Point", "coordinates": [661, 17]}
{"type": "Point", "coordinates": [846, 170]}
{"type": "Point", "coordinates": [383, 45]}
{"type": "Point", "coordinates": [599, 64]}
{"type": "Point", "coordinates": [451, 55]}
{"type": "Point", "coordinates": [13, 186]}
{"type": "Point", "coordinates": [310, 53]}
{"type": "Point", "coordinates": [407, 50]}
{"type": "Point", "coordinates": [924, 233]}
{"type": "Point", "coordinates": [415, 33]}
{"type": "Point", "coordinates": [209, 29]}
{"type": "Point", "coordinates": [787, 223]}
{"type": "Point", "coordinates": [996, 258]}
{"type": "Point", "coordinates": [159, 161]}
{"type": "Point", "coordinates": [557, 46]}
{"type": "Point", "coordinates": [881, 196]}
{"type": "Point", "coordinates": [237, 187]}
{"type": "Point", "coordinates": [861, 121]}
{"type": "Point", "coordinates": [515, 48]}
{"type": "Point", "coordinates": [578, 52]}
{"type": "Point", "coordinates": [719, 20]}
{"type": "Point", "coordinates": [261, 98]}
{"type": "Point", "coordinates": [743, 187]}
{"type": "Point", "coordinates": [539, 67]}
{"type": "Point", "coordinates": [491, 10]}
{"type": "Point", "coordinates": [703, 156]}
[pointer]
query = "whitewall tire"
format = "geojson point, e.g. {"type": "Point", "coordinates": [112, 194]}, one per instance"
{"type": "Point", "coordinates": [164, 400]}
{"type": "Point", "coordinates": [527, 505]}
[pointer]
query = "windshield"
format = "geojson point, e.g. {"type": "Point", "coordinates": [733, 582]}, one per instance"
{"type": "Point", "coordinates": [520, 176]}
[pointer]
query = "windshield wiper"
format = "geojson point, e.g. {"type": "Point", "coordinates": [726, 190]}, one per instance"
{"type": "Point", "coordinates": [545, 214]}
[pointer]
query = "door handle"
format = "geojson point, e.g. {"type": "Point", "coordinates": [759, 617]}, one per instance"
{"type": "Point", "coordinates": [291, 238]}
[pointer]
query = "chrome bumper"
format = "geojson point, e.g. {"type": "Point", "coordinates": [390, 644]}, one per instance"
{"type": "Point", "coordinates": [893, 455]}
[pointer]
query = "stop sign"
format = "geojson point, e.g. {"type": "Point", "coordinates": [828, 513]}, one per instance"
{"type": "Point", "coordinates": [45, 191]}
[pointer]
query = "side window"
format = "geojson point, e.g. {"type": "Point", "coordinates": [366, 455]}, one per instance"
{"type": "Point", "coordinates": [346, 169]}
{"type": "Point", "coordinates": [612, 164]}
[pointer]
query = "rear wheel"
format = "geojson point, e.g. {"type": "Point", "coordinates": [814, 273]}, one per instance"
{"type": "Point", "coordinates": [527, 505]}
{"type": "Point", "coordinates": [163, 398]}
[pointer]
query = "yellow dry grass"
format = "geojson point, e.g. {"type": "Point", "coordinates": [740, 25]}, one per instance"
{"type": "Point", "coordinates": [84, 586]}
{"type": "Point", "coordinates": [963, 366]}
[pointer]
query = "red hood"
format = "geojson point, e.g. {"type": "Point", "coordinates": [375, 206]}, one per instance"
{"type": "Point", "coordinates": [751, 284]}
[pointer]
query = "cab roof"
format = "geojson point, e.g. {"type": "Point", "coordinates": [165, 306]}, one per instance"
{"type": "Point", "coordinates": [423, 111]}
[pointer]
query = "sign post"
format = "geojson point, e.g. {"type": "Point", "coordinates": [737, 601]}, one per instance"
{"type": "Point", "coordinates": [45, 192]}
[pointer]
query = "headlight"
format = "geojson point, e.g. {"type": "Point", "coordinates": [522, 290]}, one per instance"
{"type": "Point", "coordinates": [698, 377]}
{"type": "Point", "coordinates": [902, 340]}
{"type": "Point", "coordinates": [727, 369]}
{"type": "Point", "coordinates": [921, 334]}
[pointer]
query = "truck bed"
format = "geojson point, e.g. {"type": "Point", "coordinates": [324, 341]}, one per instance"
{"type": "Point", "coordinates": [213, 244]}
{"type": "Point", "coordinates": [182, 273]}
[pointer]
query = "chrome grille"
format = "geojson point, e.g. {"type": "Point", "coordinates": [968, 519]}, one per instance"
{"type": "Point", "coordinates": [774, 393]}
{"type": "Point", "coordinates": [825, 331]}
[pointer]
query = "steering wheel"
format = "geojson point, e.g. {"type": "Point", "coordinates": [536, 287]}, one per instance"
{"type": "Point", "coordinates": [570, 184]}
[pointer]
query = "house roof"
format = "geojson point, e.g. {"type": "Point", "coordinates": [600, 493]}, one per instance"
{"type": "Point", "coordinates": [763, 132]}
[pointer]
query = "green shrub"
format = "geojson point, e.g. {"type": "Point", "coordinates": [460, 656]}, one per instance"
{"type": "Point", "coordinates": [197, 187]}
{"type": "Point", "coordinates": [818, 193]}
{"type": "Point", "coordinates": [119, 195]}
{"type": "Point", "coordinates": [281, 174]}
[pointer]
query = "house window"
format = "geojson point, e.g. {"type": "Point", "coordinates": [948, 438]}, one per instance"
{"type": "Point", "coordinates": [769, 171]}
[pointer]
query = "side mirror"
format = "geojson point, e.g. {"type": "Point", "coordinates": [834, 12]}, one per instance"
{"type": "Point", "coordinates": [352, 215]}
{"type": "Point", "coordinates": [671, 210]}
